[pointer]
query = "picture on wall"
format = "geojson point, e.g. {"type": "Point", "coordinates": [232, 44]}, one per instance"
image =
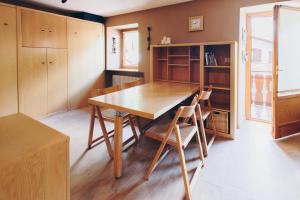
{"type": "Point", "coordinates": [196, 23]}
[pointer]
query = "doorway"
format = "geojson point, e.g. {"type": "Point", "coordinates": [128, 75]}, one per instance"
{"type": "Point", "coordinates": [259, 65]}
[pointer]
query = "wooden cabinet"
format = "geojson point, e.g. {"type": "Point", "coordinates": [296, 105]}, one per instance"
{"type": "Point", "coordinates": [36, 166]}
{"type": "Point", "coordinates": [204, 64]}
{"type": "Point", "coordinates": [33, 82]}
{"type": "Point", "coordinates": [8, 64]}
{"type": "Point", "coordinates": [43, 81]}
{"type": "Point", "coordinates": [40, 29]}
{"type": "Point", "coordinates": [85, 59]}
{"type": "Point", "coordinates": [53, 71]}
{"type": "Point", "coordinates": [57, 31]}
{"type": "Point", "coordinates": [57, 80]}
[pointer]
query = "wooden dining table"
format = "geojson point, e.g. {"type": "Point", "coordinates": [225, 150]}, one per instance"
{"type": "Point", "coordinates": [149, 101]}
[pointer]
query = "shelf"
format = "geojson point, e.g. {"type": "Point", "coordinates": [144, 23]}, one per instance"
{"type": "Point", "coordinates": [164, 80]}
{"type": "Point", "coordinates": [218, 67]}
{"type": "Point", "coordinates": [219, 87]}
{"type": "Point", "coordinates": [185, 64]}
{"type": "Point", "coordinates": [194, 82]}
{"type": "Point", "coordinates": [221, 108]}
{"type": "Point", "coordinates": [179, 65]}
{"type": "Point", "coordinates": [185, 82]}
{"type": "Point", "coordinates": [179, 55]}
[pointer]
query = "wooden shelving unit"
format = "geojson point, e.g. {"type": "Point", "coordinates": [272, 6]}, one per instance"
{"type": "Point", "coordinates": [218, 67]}
{"type": "Point", "coordinates": [188, 63]}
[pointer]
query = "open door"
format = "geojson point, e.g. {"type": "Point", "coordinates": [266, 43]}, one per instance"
{"type": "Point", "coordinates": [286, 71]}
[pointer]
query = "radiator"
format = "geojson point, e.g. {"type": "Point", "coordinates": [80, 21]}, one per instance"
{"type": "Point", "coordinates": [119, 80]}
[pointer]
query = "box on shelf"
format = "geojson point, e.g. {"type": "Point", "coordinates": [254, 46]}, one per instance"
{"type": "Point", "coordinates": [221, 121]}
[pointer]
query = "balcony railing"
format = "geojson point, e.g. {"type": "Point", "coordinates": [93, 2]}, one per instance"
{"type": "Point", "coordinates": [261, 95]}
{"type": "Point", "coordinates": [261, 88]}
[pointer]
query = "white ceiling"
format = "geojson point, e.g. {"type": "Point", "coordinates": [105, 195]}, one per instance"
{"type": "Point", "coordinates": [107, 8]}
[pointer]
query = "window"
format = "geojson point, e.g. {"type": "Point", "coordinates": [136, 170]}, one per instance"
{"type": "Point", "coordinates": [270, 57]}
{"type": "Point", "coordinates": [130, 49]}
{"type": "Point", "coordinates": [256, 55]}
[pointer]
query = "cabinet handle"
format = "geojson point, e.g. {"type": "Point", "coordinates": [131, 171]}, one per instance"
{"type": "Point", "coordinates": [43, 63]}
{"type": "Point", "coordinates": [75, 32]}
{"type": "Point", "coordinates": [50, 62]}
{"type": "Point", "coordinates": [5, 24]}
{"type": "Point", "coordinates": [50, 31]}
{"type": "Point", "coordinates": [42, 30]}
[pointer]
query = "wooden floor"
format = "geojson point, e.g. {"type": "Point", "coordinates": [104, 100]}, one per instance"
{"type": "Point", "coordinates": [252, 167]}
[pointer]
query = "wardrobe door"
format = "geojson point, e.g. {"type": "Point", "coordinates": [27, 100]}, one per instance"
{"type": "Point", "coordinates": [86, 60]}
{"type": "Point", "coordinates": [34, 28]}
{"type": "Point", "coordinates": [57, 31]}
{"type": "Point", "coordinates": [40, 29]}
{"type": "Point", "coordinates": [57, 80]}
{"type": "Point", "coordinates": [33, 82]}
{"type": "Point", "coordinates": [8, 64]}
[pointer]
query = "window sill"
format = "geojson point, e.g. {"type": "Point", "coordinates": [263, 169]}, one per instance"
{"type": "Point", "coordinates": [124, 69]}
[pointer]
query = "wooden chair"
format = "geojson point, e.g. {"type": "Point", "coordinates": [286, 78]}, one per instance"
{"type": "Point", "coordinates": [133, 83]}
{"type": "Point", "coordinates": [108, 115]}
{"type": "Point", "coordinates": [178, 133]}
{"type": "Point", "coordinates": [204, 111]}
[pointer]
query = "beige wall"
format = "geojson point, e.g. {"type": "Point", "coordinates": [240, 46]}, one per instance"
{"type": "Point", "coordinates": [221, 22]}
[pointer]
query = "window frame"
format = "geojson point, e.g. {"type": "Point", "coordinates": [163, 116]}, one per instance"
{"type": "Point", "coordinates": [123, 31]}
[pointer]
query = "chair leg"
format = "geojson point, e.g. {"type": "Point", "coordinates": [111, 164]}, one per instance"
{"type": "Point", "coordinates": [104, 132]}
{"type": "Point", "coordinates": [156, 158]}
{"type": "Point", "coordinates": [200, 147]}
{"type": "Point", "coordinates": [157, 155]}
{"type": "Point", "coordinates": [91, 130]}
{"type": "Point", "coordinates": [183, 165]}
{"type": "Point", "coordinates": [133, 128]}
{"type": "Point", "coordinates": [202, 130]}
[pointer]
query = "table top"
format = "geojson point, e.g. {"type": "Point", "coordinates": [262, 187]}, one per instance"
{"type": "Point", "coordinates": [150, 100]}
{"type": "Point", "coordinates": [22, 136]}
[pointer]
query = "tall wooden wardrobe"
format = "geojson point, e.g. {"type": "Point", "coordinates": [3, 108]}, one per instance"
{"type": "Point", "coordinates": [86, 60]}
{"type": "Point", "coordinates": [49, 62]}
{"type": "Point", "coordinates": [43, 66]}
{"type": "Point", "coordinates": [8, 61]}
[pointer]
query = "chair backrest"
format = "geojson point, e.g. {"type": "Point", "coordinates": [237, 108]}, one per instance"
{"type": "Point", "coordinates": [102, 91]}
{"type": "Point", "coordinates": [204, 99]}
{"type": "Point", "coordinates": [133, 83]}
{"type": "Point", "coordinates": [205, 95]}
{"type": "Point", "coordinates": [187, 111]}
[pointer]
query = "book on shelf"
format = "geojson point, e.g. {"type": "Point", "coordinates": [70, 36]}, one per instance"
{"type": "Point", "coordinates": [210, 59]}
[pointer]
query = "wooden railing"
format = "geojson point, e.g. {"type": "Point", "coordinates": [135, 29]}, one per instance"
{"type": "Point", "coordinates": [261, 88]}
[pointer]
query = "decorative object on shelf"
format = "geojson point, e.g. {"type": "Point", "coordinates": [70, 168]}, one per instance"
{"type": "Point", "coordinates": [166, 40]}
{"type": "Point", "coordinates": [210, 59]}
{"type": "Point", "coordinates": [113, 47]}
{"type": "Point", "coordinates": [149, 37]}
{"type": "Point", "coordinates": [196, 23]}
